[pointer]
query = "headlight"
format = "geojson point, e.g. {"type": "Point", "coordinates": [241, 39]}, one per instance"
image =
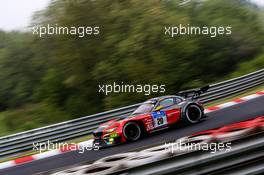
{"type": "Point", "coordinates": [111, 130]}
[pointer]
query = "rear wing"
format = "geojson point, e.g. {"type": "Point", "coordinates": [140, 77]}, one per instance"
{"type": "Point", "coordinates": [193, 93]}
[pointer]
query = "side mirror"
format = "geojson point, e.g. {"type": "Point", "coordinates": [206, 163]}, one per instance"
{"type": "Point", "coordinates": [158, 108]}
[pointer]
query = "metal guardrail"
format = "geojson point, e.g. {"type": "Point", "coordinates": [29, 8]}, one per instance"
{"type": "Point", "coordinates": [232, 149]}
{"type": "Point", "coordinates": [16, 143]}
{"type": "Point", "coordinates": [245, 157]}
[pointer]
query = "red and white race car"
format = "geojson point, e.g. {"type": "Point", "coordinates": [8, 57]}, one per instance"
{"type": "Point", "coordinates": [152, 115]}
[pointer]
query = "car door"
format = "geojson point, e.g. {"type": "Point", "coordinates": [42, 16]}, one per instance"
{"type": "Point", "coordinates": [162, 116]}
{"type": "Point", "coordinates": [174, 112]}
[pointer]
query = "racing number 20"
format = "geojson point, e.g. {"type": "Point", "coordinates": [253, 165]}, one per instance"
{"type": "Point", "coordinates": [160, 121]}
{"type": "Point", "coordinates": [159, 118]}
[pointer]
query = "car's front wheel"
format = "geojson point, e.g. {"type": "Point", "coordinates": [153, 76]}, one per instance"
{"type": "Point", "coordinates": [132, 131]}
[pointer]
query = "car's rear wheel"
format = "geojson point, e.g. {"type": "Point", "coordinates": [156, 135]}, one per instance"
{"type": "Point", "coordinates": [192, 114]}
{"type": "Point", "coordinates": [132, 131]}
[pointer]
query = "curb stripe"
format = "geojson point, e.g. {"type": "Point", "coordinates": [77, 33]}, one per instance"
{"type": "Point", "coordinates": [46, 154]}
{"type": "Point", "coordinates": [228, 104]}
{"type": "Point", "coordinates": [249, 97]}
{"type": "Point", "coordinates": [213, 108]}
{"type": "Point", "coordinates": [70, 147]}
{"type": "Point", "coordinates": [7, 164]}
{"type": "Point", "coordinates": [239, 100]}
{"type": "Point", "coordinates": [24, 160]}
{"type": "Point", "coordinates": [260, 93]}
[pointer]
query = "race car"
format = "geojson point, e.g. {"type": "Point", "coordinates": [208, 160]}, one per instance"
{"type": "Point", "coordinates": [152, 115]}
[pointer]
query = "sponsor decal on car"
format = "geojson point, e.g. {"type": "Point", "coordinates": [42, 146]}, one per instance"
{"type": "Point", "coordinates": [159, 118]}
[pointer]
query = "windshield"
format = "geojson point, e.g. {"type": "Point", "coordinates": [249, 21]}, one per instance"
{"type": "Point", "coordinates": [144, 108]}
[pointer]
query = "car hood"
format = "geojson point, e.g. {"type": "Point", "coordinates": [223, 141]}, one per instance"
{"type": "Point", "coordinates": [116, 122]}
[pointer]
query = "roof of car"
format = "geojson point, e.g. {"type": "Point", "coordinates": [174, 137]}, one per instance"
{"type": "Point", "coordinates": [162, 97]}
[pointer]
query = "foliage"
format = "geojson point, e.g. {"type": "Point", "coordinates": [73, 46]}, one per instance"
{"type": "Point", "coordinates": [63, 72]}
{"type": "Point", "coordinates": [29, 117]}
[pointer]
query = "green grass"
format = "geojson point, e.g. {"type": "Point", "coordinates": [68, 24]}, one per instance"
{"type": "Point", "coordinates": [3, 129]}
{"type": "Point", "coordinates": [29, 117]}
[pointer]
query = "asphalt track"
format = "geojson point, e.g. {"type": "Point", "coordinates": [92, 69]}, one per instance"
{"type": "Point", "coordinates": [237, 113]}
